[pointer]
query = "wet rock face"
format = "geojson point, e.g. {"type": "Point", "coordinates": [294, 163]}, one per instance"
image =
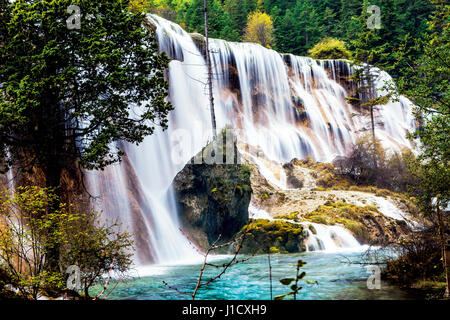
{"type": "Point", "coordinates": [213, 200]}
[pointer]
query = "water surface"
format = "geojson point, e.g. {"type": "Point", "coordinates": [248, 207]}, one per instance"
{"type": "Point", "coordinates": [337, 280]}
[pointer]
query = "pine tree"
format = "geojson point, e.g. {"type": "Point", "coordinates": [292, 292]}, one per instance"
{"type": "Point", "coordinates": [67, 94]}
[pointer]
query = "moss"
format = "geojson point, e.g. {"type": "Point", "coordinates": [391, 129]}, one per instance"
{"type": "Point", "coordinates": [269, 235]}
{"type": "Point", "coordinates": [383, 192]}
{"type": "Point", "coordinates": [345, 214]}
{"type": "Point", "coordinates": [199, 41]}
{"type": "Point", "coordinates": [293, 216]}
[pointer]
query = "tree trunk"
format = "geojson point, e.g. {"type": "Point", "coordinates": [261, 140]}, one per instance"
{"type": "Point", "coordinates": [441, 230]}
{"type": "Point", "coordinates": [53, 180]}
{"type": "Point", "coordinates": [210, 84]}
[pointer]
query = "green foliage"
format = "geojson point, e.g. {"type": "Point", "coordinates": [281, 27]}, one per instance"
{"type": "Point", "coordinates": [425, 82]}
{"type": "Point", "coordinates": [293, 282]}
{"type": "Point", "coordinates": [238, 10]}
{"type": "Point", "coordinates": [220, 25]}
{"type": "Point", "coordinates": [31, 228]}
{"type": "Point", "coordinates": [300, 24]}
{"type": "Point", "coordinates": [68, 94]}
{"type": "Point", "coordinates": [266, 235]}
{"type": "Point", "coordinates": [259, 29]}
{"type": "Point", "coordinates": [399, 19]}
{"type": "Point", "coordinates": [27, 235]}
{"type": "Point", "coordinates": [299, 29]}
{"type": "Point", "coordinates": [329, 48]}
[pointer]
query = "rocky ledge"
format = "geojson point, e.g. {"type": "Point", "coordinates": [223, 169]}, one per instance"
{"type": "Point", "coordinates": [213, 200]}
{"type": "Point", "coordinates": [277, 236]}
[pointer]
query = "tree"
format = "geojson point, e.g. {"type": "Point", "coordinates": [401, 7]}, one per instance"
{"type": "Point", "coordinates": [299, 28]}
{"type": "Point", "coordinates": [28, 230]}
{"type": "Point", "coordinates": [287, 34]}
{"type": "Point", "coordinates": [68, 95]}
{"type": "Point", "coordinates": [330, 48]}
{"type": "Point", "coordinates": [138, 6]}
{"type": "Point", "coordinates": [209, 67]}
{"type": "Point", "coordinates": [259, 29]}
{"type": "Point", "coordinates": [426, 83]}
{"type": "Point", "coordinates": [96, 248]}
{"type": "Point", "coordinates": [368, 48]}
{"type": "Point", "coordinates": [238, 10]}
{"type": "Point", "coordinates": [219, 21]}
{"type": "Point", "coordinates": [328, 22]}
{"type": "Point", "coordinates": [25, 238]}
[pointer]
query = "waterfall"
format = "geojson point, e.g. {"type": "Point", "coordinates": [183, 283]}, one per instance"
{"type": "Point", "coordinates": [329, 238]}
{"type": "Point", "coordinates": [285, 106]}
{"type": "Point", "coordinates": [140, 187]}
{"type": "Point", "coordinates": [320, 237]}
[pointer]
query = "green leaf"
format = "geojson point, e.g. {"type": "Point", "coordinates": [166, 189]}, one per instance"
{"type": "Point", "coordinates": [286, 281]}
{"type": "Point", "coordinates": [280, 297]}
{"type": "Point", "coordinates": [301, 275]}
{"type": "Point", "coordinates": [300, 263]}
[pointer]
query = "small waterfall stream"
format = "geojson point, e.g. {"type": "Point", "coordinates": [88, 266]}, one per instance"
{"type": "Point", "coordinates": [321, 237]}
{"type": "Point", "coordinates": [329, 238]}
{"type": "Point", "coordinates": [287, 106]}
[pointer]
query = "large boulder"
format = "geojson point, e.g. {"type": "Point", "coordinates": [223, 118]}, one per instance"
{"type": "Point", "coordinates": [276, 236]}
{"type": "Point", "coordinates": [213, 200]}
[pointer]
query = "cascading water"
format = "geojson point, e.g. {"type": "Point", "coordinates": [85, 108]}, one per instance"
{"type": "Point", "coordinates": [329, 238]}
{"type": "Point", "coordinates": [320, 237]}
{"type": "Point", "coordinates": [285, 106]}
{"type": "Point", "coordinates": [155, 163]}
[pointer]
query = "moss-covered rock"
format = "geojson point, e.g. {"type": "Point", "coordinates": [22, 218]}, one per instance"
{"type": "Point", "coordinates": [213, 200]}
{"type": "Point", "coordinates": [277, 236]}
{"type": "Point", "coordinates": [367, 224]}
{"type": "Point", "coordinates": [200, 41]}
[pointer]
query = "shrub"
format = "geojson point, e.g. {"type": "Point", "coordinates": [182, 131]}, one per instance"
{"type": "Point", "coordinates": [330, 48]}
{"type": "Point", "coordinates": [369, 165]}
{"type": "Point", "coordinates": [31, 228]}
{"type": "Point", "coordinates": [416, 258]}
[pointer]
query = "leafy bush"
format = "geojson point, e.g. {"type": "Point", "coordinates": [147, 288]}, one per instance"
{"type": "Point", "coordinates": [330, 48]}
{"type": "Point", "coordinates": [370, 165]}
{"type": "Point", "coordinates": [417, 262]}
{"type": "Point", "coordinates": [31, 228]}
{"type": "Point", "coordinates": [259, 29]}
